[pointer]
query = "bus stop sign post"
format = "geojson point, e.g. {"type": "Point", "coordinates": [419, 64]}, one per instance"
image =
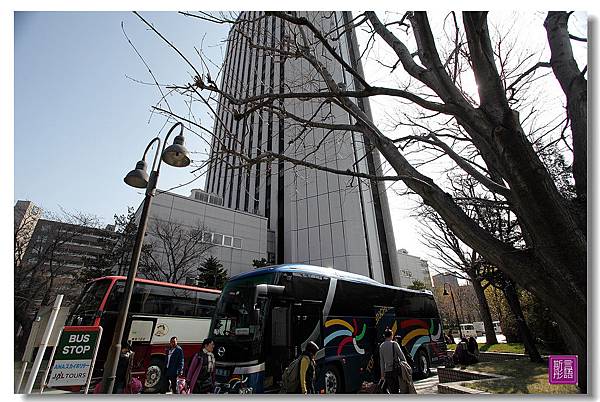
{"type": "Point", "coordinates": [75, 357]}
{"type": "Point", "coordinates": [45, 378]}
{"type": "Point", "coordinates": [42, 348]}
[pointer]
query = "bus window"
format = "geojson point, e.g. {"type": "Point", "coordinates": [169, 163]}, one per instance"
{"type": "Point", "coordinates": [161, 300]}
{"type": "Point", "coordinates": [88, 306]}
{"type": "Point", "coordinates": [115, 299]}
{"type": "Point", "coordinates": [430, 308]}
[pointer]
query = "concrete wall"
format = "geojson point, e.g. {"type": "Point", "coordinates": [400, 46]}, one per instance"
{"type": "Point", "coordinates": [191, 213]}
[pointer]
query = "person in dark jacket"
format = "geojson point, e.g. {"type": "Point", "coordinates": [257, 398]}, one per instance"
{"type": "Point", "coordinates": [201, 373]}
{"type": "Point", "coordinates": [307, 368]}
{"type": "Point", "coordinates": [461, 353]}
{"type": "Point", "coordinates": [173, 364]}
{"type": "Point", "coordinates": [124, 367]}
{"type": "Point", "coordinates": [473, 350]}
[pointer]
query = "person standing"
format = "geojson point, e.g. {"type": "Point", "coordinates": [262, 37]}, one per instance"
{"type": "Point", "coordinates": [390, 356]}
{"type": "Point", "coordinates": [201, 373]}
{"type": "Point", "coordinates": [173, 364]}
{"type": "Point", "coordinates": [307, 368]}
{"type": "Point", "coordinates": [124, 367]}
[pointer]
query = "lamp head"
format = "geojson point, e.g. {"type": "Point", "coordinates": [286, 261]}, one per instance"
{"type": "Point", "coordinates": [176, 154]}
{"type": "Point", "coordinates": [137, 177]}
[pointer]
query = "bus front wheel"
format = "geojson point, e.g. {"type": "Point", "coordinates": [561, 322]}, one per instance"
{"type": "Point", "coordinates": [423, 365]}
{"type": "Point", "coordinates": [154, 376]}
{"type": "Point", "coordinates": [333, 380]}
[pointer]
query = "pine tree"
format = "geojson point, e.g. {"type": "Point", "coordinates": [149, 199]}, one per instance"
{"type": "Point", "coordinates": [417, 285]}
{"type": "Point", "coordinates": [211, 274]}
{"type": "Point", "coordinates": [263, 262]}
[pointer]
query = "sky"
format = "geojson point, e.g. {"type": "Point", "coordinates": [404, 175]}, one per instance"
{"type": "Point", "coordinates": [82, 118]}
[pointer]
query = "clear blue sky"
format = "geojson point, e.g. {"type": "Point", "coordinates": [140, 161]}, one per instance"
{"type": "Point", "coordinates": [80, 123]}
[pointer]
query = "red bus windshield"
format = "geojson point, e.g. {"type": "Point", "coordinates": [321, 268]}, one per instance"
{"type": "Point", "coordinates": [86, 311]}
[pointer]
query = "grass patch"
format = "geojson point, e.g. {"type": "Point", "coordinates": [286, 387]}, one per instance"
{"type": "Point", "coordinates": [503, 348]}
{"type": "Point", "coordinates": [526, 378]}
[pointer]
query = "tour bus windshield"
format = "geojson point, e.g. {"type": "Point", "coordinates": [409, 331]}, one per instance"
{"type": "Point", "coordinates": [234, 316]}
{"type": "Point", "coordinates": [88, 306]}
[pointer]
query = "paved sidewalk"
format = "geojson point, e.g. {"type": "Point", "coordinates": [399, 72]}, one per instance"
{"type": "Point", "coordinates": [428, 385]}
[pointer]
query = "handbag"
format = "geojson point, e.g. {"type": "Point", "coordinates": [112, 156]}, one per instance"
{"type": "Point", "coordinates": [395, 362]}
{"type": "Point", "coordinates": [381, 388]}
{"type": "Point", "coordinates": [134, 386]}
{"type": "Point", "coordinates": [182, 386]}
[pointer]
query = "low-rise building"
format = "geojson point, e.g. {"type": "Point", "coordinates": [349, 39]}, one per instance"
{"type": "Point", "coordinates": [413, 268]}
{"type": "Point", "coordinates": [234, 237]}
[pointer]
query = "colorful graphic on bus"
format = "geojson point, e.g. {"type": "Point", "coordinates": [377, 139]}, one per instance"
{"type": "Point", "coordinates": [350, 334]}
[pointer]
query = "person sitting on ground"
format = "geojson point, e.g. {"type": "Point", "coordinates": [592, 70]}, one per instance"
{"type": "Point", "coordinates": [460, 355]}
{"type": "Point", "coordinates": [473, 350]}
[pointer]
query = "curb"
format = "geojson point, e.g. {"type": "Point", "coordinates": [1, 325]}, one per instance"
{"type": "Point", "coordinates": [458, 385]}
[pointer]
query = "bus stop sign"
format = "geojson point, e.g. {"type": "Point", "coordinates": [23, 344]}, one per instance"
{"type": "Point", "coordinates": [74, 356]}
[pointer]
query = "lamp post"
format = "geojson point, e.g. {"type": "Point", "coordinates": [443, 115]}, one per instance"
{"type": "Point", "coordinates": [174, 155]}
{"type": "Point", "coordinates": [454, 304]}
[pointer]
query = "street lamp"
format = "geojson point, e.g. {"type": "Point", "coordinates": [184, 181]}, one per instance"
{"type": "Point", "coordinates": [174, 155]}
{"type": "Point", "coordinates": [454, 304]}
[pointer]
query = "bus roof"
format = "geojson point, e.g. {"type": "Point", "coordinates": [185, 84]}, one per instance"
{"type": "Point", "coordinates": [173, 285]}
{"type": "Point", "coordinates": [323, 271]}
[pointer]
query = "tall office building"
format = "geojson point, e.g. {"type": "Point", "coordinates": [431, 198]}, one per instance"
{"type": "Point", "coordinates": [315, 217]}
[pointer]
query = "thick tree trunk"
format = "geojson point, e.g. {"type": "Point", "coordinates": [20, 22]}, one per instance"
{"type": "Point", "coordinates": [574, 85]}
{"type": "Point", "coordinates": [578, 346]}
{"type": "Point", "coordinates": [512, 298]}
{"type": "Point", "coordinates": [486, 316]}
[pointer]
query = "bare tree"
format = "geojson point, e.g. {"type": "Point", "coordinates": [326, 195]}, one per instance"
{"type": "Point", "coordinates": [455, 256]}
{"type": "Point", "coordinates": [116, 256]}
{"type": "Point", "coordinates": [489, 135]}
{"type": "Point", "coordinates": [43, 267]}
{"type": "Point", "coordinates": [174, 251]}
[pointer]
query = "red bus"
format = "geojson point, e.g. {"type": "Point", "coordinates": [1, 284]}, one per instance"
{"type": "Point", "coordinates": [158, 311]}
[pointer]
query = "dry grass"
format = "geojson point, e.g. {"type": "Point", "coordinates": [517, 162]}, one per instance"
{"type": "Point", "coordinates": [503, 348]}
{"type": "Point", "coordinates": [527, 378]}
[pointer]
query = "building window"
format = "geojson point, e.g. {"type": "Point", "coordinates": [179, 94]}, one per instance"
{"type": "Point", "coordinates": [207, 237]}
{"type": "Point", "coordinates": [227, 241]}
{"type": "Point", "coordinates": [237, 242]}
{"type": "Point", "coordinates": [217, 239]}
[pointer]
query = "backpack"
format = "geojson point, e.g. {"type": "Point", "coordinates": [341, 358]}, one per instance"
{"type": "Point", "coordinates": [290, 379]}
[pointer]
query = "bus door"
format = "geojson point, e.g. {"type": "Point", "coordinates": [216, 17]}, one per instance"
{"type": "Point", "coordinates": [292, 324]}
{"type": "Point", "coordinates": [277, 348]}
{"type": "Point", "coordinates": [139, 331]}
{"type": "Point", "coordinates": [306, 322]}
{"type": "Point", "coordinates": [385, 317]}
